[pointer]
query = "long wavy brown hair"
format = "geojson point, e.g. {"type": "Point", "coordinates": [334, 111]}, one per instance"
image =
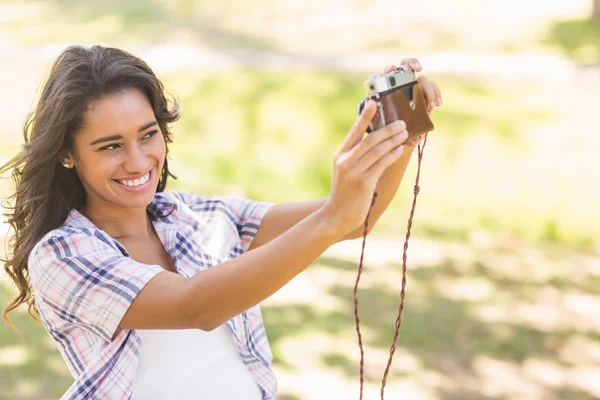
{"type": "Point", "coordinates": [45, 191]}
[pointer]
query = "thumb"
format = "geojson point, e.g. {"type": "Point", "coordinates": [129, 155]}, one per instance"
{"type": "Point", "coordinates": [360, 126]}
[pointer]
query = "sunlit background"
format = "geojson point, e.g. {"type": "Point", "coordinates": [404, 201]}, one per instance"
{"type": "Point", "coordinates": [504, 260]}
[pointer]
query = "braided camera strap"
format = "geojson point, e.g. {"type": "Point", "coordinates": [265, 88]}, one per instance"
{"type": "Point", "coordinates": [360, 266]}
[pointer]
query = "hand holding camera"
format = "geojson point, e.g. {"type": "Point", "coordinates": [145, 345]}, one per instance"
{"type": "Point", "coordinates": [396, 114]}
{"type": "Point", "coordinates": [357, 166]}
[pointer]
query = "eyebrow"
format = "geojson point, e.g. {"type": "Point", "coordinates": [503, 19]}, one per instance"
{"type": "Point", "coordinates": [117, 137]}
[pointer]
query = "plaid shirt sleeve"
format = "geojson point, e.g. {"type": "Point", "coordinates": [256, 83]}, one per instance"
{"type": "Point", "coordinates": [246, 214]}
{"type": "Point", "coordinates": [86, 281]}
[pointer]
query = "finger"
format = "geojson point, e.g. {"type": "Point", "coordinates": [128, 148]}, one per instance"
{"type": "Point", "coordinates": [377, 169]}
{"type": "Point", "coordinates": [377, 137]}
{"type": "Point", "coordinates": [428, 92]}
{"type": "Point", "coordinates": [413, 63]}
{"type": "Point", "coordinates": [438, 93]}
{"type": "Point", "coordinates": [379, 151]}
{"type": "Point", "coordinates": [359, 127]}
{"type": "Point", "coordinates": [414, 142]}
{"type": "Point", "coordinates": [389, 68]}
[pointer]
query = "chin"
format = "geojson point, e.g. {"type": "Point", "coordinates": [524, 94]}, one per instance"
{"type": "Point", "coordinates": [131, 200]}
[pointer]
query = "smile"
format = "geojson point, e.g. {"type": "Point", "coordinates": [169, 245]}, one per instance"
{"type": "Point", "coordinates": [138, 183]}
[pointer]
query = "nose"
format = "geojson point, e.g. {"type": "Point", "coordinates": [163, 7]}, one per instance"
{"type": "Point", "coordinates": [136, 161]}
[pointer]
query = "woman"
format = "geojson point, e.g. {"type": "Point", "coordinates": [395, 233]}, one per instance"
{"type": "Point", "coordinates": [118, 269]}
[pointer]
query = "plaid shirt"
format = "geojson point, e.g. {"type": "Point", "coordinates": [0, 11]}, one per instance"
{"type": "Point", "coordinates": [84, 281]}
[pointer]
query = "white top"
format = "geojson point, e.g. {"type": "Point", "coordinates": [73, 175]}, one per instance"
{"type": "Point", "coordinates": [192, 364]}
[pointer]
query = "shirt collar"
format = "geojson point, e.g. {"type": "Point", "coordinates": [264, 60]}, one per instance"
{"type": "Point", "coordinates": [160, 207]}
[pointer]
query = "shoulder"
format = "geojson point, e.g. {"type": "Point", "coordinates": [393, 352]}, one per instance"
{"type": "Point", "coordinates": [80, 275]}
{"type": "Point", "coordinates": [69, 241]}
{"type": "Point", "coordinates": [72, 241]}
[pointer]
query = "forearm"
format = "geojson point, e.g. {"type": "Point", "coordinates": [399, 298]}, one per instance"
{"type": "Point", "coordinates": [217, 294]}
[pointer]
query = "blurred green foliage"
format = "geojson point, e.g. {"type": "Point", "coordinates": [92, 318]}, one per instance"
{"type": "Point", "coordinates": [578, 39]}
{"type": "Point", "coordinates": [273, 134]}
{"type": "Point", "coordinates": [132, 21]}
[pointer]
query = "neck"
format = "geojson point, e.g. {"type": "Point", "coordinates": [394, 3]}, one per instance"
{"type": "Point", "coordinates": [125, 223]}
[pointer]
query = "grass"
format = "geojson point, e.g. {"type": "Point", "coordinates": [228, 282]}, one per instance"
{"type": "Point", "coordinates": [31, 367]}
{"type": "Point", "coordinates": [449, 325]}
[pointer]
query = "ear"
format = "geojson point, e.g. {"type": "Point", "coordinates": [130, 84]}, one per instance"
{"type": "Point", "coordinates": [66, 159]}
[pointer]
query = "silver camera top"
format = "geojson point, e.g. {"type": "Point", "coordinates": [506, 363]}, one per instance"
{"type": "Point", "coordinates": [380, 84]}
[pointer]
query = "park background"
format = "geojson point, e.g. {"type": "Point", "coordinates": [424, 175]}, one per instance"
{"type": "Point", "coordinates": [504, 260]}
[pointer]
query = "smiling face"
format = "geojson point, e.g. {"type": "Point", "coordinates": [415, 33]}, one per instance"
{"type": "Point", "coordinates": [120, 151]}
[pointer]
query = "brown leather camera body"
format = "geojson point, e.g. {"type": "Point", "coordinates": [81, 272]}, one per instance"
{"type": "Point", "coordinates": [396, 106]}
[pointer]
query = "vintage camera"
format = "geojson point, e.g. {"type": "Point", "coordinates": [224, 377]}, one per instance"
{"type": "Point", "coordinates": [399, 96]}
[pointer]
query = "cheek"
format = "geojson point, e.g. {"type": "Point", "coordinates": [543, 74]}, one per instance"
{"type": "Point", "coordinates": [159, 150]}
{"type": "Point", "coordinates": [94, 168]}
{"type": "Point", "coordinates": [97, 170]}
{"type": "Point", "coordinates": [161, 146]}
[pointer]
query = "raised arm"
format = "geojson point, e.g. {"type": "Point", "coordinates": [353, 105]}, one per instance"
{"type": "Point", "coordinates": [290, 237]}
{"type": "Point", "coordinates": [282, 217]}
{"type": "Point", "coordinates": [212, 296]}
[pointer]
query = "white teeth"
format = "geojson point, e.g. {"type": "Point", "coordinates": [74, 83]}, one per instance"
{"type": "Point", "coordinates": [137, 182]}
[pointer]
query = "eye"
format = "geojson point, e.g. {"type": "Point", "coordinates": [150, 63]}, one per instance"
{"type": "Point", "coordinates": [150, 134]}
{"type": "Point", "coordinates": [113, 146]}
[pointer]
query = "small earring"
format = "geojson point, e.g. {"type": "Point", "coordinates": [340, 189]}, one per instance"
{"type": "Point", "coordinates": [66, 165]}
